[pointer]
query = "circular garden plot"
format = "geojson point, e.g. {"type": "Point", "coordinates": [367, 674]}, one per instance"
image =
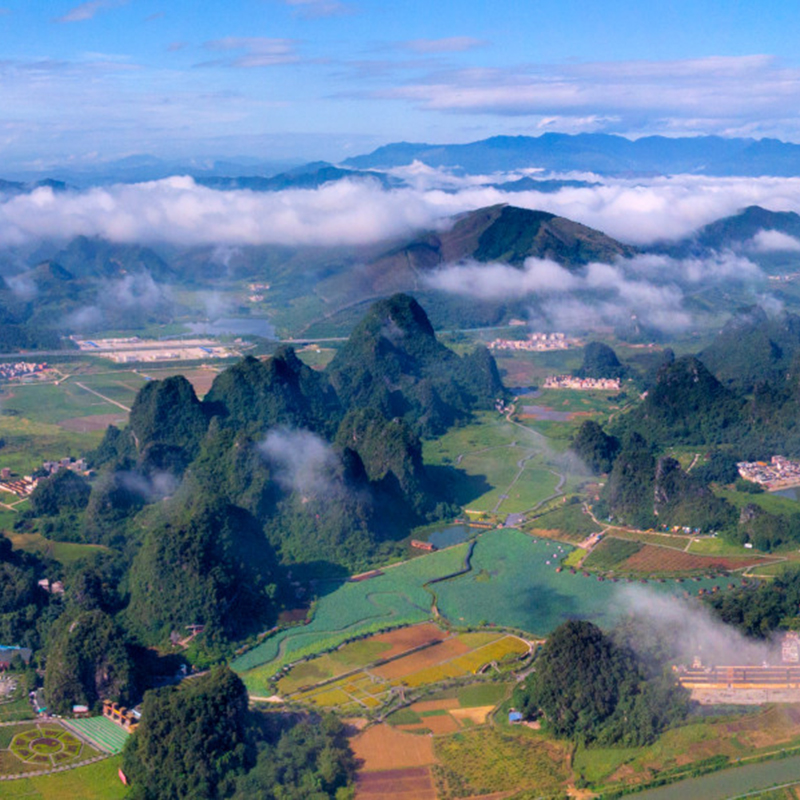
{"type": "Point", "coordinates": [46, 746]}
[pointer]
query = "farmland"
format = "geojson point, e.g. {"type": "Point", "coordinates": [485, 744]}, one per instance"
{"type": "Point", "coordinates": [497, 466]}
{"type": "Point", "coordinates": [432, 656]}
{"type": "Point", "coordinates": [493, 759]}
{"type": "Point", "coordinates": [611, 552]}
{"type": "Point", "coordinates": [396, 597]}
{"type": "Point", "coordinates": [512, 583]}
{"type": "Point", "coordinates": [568, 522]}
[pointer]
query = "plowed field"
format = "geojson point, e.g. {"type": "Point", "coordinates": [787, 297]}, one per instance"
{"type": "Point", "coordinates": [383, 747]}
{"type": "Point", "coordinates": [651, 559]}
{"type": "Point", "coordinates": [396, 784]}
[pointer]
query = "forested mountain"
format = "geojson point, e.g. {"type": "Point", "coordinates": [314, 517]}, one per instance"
{"type": "Point", "coordinates": [207, 504]}
{"type": "Point", "coordinates": [737, 231]}
{"type": "Point", "coordinates": [255, 395]}
{"type": "Point", "coordinates": [393, 362]}
{"type": "Point", "coordinates": [754, 348]}
{"type": "Point", "coordinates": [309, 176]}
{"type": "Point", "coordinates": [687, 404]}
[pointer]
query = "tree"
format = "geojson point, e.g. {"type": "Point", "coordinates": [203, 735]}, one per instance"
{"type": "Point", "coordinates": [63, 491]}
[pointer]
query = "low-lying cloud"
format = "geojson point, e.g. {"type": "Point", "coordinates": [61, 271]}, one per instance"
{"type": "Point", "coordinates": [352, 212]}
{"type": "Point", "coordinates": [690, 629]}
{"type": "Point", "coordinates": [302, 462]}
{"type": "Point", "coordinates": [651, 287]}
{"type": "Point", "coordinates": [773, 242]}
{"type": "Point", "coordinates": [359, 211]}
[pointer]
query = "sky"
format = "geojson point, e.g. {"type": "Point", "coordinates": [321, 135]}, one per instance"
{"type": "Point", "coordinates": [85, 83]}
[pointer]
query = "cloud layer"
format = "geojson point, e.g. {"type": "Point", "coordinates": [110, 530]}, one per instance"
{"type": "Point", "coordinates": [178, 211]}
{"type": "Point", "coordinates": [650, 287]}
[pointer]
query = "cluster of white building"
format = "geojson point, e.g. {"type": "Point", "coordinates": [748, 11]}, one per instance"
{"type": "Point", "coordinates": [570, 382]}
{"type": "Point", "coordinates": [778, 472]}
{"type": "Point", "coordinates": [535, 341]}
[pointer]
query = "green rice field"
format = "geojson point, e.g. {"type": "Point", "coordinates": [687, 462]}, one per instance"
{"type": "Point", "coordinates": [512, 584]}
{"type": "Point", "coordinates": [507, 463]}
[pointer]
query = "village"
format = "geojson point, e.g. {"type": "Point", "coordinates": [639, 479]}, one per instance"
{"type": "Point", "coordinates": [778, 473]}
{"type": "Point", "coordinates": [23, 486]}
{"type": "Point", "coordinates": [571, 382]}
{"type": "Point", "coordinates": [538, 342]}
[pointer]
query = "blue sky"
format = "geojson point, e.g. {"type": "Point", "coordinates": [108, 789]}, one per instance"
{"type": "Point", "coordinates": [274, 79]}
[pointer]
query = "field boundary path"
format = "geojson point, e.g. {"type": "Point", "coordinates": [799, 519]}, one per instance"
{"type": "Point", "coordinates": [102, 396]}
{"type": "Point", "coordinates": [65, 768]}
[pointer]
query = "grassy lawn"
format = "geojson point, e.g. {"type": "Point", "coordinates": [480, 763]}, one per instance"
{"type": "Point", "coordinates": [98, 781]}
{"type": "Point", "coordinates": [773, 503]}
{"type": "Point", "coordinates": [717, 546]}
{"type": "Point", "coordinates": [65, 552]}
{"type": "Point", "coordinates": [27, 443]}
{"type": "Point", "coordinates": [569, 520]}
{"type": "Point", "coordinates": [14, 709]}
{"type": "Point", "coordinates": [50, 404]}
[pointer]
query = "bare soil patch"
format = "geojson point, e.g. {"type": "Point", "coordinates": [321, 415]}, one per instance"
{"type": "Point", "coordinates": [396, 784]}
{"type": "Point", "coordinates": [383, 747]}
{"type": "Point", "coordinates": [441, 723]}
{"type": "Point", "coordinates": [436, 654]}
{"type": "Point", "coordinates": [404, 639]}
{"type": "Point", "coordinates": [477, 715]}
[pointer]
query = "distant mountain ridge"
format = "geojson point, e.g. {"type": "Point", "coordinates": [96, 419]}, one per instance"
{"type": "Point", "coordinates": [604, 154]}
{"type": "Point", "coordinates": [733, 232]}
{"type": "Point", "coordinates": [501, 233]}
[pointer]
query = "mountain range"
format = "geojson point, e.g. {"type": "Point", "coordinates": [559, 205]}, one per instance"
{"type": "Point", "coordinates": [604, 154]}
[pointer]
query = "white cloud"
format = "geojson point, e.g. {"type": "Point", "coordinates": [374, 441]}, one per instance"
{"type": "Point", "coordinates": [773, 241]}
{"type": "Point", "coordinates": [302, 462]}
{"type": "Point", "coordinates": [312, 9]}
{"type": "Point", "coordinates": [257, 51]}
{"type": "Point", "coordinates": [650, 287]}
{"type": "Point", "coordinates": [179, 211]}
{"type": "Point", "coordinates": [88, 10]}
{"type": "Point", "coordinates": [713, 94]}
{"type": "Point", "coordinates": [450, 44]}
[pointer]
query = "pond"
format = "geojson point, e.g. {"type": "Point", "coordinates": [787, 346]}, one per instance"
{"type": "Point", "coordinates": [454, 534]}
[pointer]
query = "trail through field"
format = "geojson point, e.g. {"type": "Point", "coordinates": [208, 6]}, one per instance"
{"type": "Point", "coordinates": [102, 396]}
